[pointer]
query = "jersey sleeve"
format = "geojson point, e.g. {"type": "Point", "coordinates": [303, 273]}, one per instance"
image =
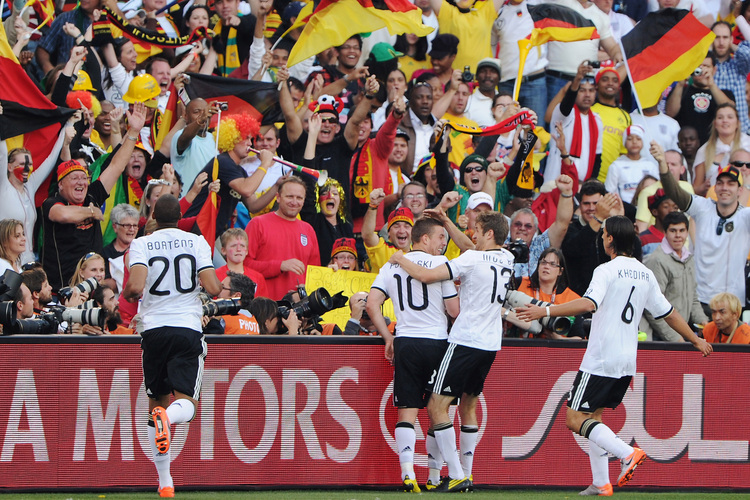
{"type": "Point", "coordinates": [657, 303]}
{"type": "Point", "coordinates": [379, 282]}
{"type": "Point", "coordinates": [203, 255]}
{"type": "Point", "coordinates": [136, 254]}
{"type": "Point", "coordinates": [449, 289]}
{"type": "Point", "coordinates": [460, 265]}
{"type": "Point", "coordinates": [598, 286]}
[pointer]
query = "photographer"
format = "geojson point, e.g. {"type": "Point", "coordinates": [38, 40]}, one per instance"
{"type": "Point", "coordinates": [105, 298]}
{"type": "Point", "coordinates": [235, 286]}
{"type": "Point", "coordinates": [266, 313]}
{"type": "Point", "coordinates": [359, 322]}
{"type": "Point", "coordinates": [311, 309]}
{"type": "Point", "coordinates": [36, 281]}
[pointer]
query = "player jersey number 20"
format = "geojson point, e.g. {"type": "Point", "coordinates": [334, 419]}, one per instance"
{"type": "Point", "coordinates": [176, 267]}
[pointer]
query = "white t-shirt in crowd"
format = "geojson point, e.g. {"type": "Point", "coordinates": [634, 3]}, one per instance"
{"type": "Point", "coordinates": [660, 128]}
{"type": "Point", "coordinates": [567, 56]}
{"type": "Point", "coordinates": [554, 162]}
{"type": "Point", "coordinates": [624, 175]}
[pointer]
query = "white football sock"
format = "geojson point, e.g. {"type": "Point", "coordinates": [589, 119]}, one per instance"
{"type": "Point", "coordinates": [599, 465]}
{"type": "Point", "coordinates": [468, 441]}
{"type": "Point", "coordinates": [406, 440]}
{"type": "Point", "coordinates": [434, 458]}
{"type": "Point", "coordinates": [607, 440]}
{"type": "Point", "coordinates": [161, 461]}
{"type": "Point", "coordinates": [446, 441]}
{"type": "Point", "coordinates": [181, 410]}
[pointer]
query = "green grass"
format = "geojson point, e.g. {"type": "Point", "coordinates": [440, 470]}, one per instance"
{"type": "Point", "coordinates": [368, 495]}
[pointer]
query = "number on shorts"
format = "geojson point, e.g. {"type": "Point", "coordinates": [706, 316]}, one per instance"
{"type": "Point", "coordinates": [628, 309]}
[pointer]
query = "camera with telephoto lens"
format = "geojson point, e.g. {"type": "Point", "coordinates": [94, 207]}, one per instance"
{"type": "Point", "coordinates": [520, 251]}
{"type": "Point", "coordinates": [85, 286]}
{"type": "Point", "coordinates": [467, 76]}
{"type": "Point", "coordinates": [222, 307]}
{"type": "Point", "coordinates": [47, 323]}
{"type": "Point", "coordinates": [560, 325]}
{"type": "Point", "coordinates": [312, 306]}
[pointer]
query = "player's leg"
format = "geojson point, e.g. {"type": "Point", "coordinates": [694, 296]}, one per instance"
{"type": "Point", "coordinates": [434, 460]}
{"type": "Point", "coordinates": [406, 441]}
{"type": "Point", "coordinates": [445, 435]}
{"type": "Point", "coordinates": [599, 461]}
{"type": "Point", "coordinates": [467, 409]}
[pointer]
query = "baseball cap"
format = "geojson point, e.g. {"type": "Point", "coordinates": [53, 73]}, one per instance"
{"type": "Point", "coordinates": [402, 214]}
{"type": "Point", "coordinates": [344, 245]}
{"type": "Point", "coordinates": [634, 130]}
{"type": "Point", "coordinates": [402, 133]}
{"type": "Point", "coordinates": [655, 199]}
{"type": "Point", "coordinates": [731, 172]}
{"type": "Point", "coordinates": [603, 70]}
{"type": "Point", "coordinates": [292, 10]}
{"type": "Point", "coordinates": [480, 198]}
{"type": "Point", "coordinates": [444, 45]}
{"type": "Point", "coordinates": [489, 62]}
{"type": "Point", "coordinates": [474, 158]}
{"type": "Point", "coordinates": [68, 167]}
{"type": "Point", "coordinates": [382, 52]}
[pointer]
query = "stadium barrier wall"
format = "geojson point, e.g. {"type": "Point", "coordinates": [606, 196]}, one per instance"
{"type": "Point", "coordinates": [317, 411]}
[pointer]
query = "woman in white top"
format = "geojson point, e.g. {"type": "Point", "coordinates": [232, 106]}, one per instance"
{"type": "Point", "coordinates": [12, 245]}
{"type": "Point", "coordinates": [19, 186]}
{"type": "Point", "coordinates": [726, 137]}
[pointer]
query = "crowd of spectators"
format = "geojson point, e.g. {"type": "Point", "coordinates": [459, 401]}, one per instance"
{"type": "Point", "coordinates": [391, 121]}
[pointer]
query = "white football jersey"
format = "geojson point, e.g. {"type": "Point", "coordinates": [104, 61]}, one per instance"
{"type": "Point", "coordinates": [419, 307]}
{"type": "Point", "coordinates": [484, 278]}
{"type": "Point", "coordinates": [174, 259]}
{"type": "Point", "coordinates": [621, 289]}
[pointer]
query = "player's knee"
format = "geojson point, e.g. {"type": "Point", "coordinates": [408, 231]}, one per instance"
{"type": "Point", "coordinates": [573, 421]}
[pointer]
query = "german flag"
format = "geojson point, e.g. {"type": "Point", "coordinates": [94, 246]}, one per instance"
{"type": "Point", "coordinates": [29, 119]}
{"type": "Point", "coordinates": [206, 218]}
{"type": "Point", "coordinates": [664, 47]}
{"type": "Point", "coordinates": [260, 100]}
{"type": "Point", "coordinates": [334, 21]}
{"type": "Point", "coordinates": [552, 23]}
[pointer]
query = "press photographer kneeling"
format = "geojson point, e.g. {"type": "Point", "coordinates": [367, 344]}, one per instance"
{"type": "Point", "coordinates": [230, 314]}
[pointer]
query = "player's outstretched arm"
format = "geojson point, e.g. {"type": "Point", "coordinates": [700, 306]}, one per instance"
{"type": "Point", "coordinates": [440, 273]}
{"type": "Point", "coordinates": [678, 324]}
{"type": "Point", "coordinates": [575, 307]}
{"type": "Point", "coordinates": [375, 300]}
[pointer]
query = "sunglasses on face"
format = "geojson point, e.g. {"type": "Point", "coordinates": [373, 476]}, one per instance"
{"type": "Point", "coordinates": [521, 225]}
{"type": "Point", "coordinates": [330, 120]}
{"type": "Point", "coordinates": [740, 164]}
{"type": "Point", "coordinates": [469, 170]}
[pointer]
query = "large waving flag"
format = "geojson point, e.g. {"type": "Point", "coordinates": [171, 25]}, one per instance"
{"type": "Point", "coordinates": [665, 47]}
{"type": "Point", "coordinates": [29, 119]}
{"type": "Point", "coordinates": [334, 21]}
{"type": "Point", "coordinates": [552, 23]}
{"type": "Point", "coordinates": [260, 100]}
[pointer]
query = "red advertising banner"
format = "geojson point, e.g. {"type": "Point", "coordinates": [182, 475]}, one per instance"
{"type": "Point", "coordinates": [73, 415]}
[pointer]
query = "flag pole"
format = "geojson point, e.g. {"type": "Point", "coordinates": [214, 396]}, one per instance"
{"type": "Point", "coordinates": [635, 92]}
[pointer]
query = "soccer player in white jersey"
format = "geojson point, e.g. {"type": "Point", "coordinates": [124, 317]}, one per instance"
{"type": "Point", "coordinates": [474, 340]}
{"type": "Point", "coordinates": [165, 267]}
{"type": "Point", "coordinates": [420, 342]}
{"type": "Point", "coordinates": [619, 291]}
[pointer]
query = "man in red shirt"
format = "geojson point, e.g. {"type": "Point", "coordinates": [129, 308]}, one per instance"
{"type": "Point", "coordinates": [280, 245]}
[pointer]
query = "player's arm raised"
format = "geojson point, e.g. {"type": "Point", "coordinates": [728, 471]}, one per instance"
{"type": "Point", "coordinates": [375, 300]}
{"type": "Point", "coordinates": [678, 324]}
{"type": "Point", "coordinates": [440, 273]}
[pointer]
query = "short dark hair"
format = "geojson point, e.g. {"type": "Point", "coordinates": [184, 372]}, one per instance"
{"type": "Point", "coordinates": [34, 279]}
{"type": "Point", "coordinates": [592, 186]}
{"type": "Point", "coordinates": [422, 227]}
{"type": "Point", "coordinates": [674, 219]}
{"type": "Point", "coordinates": [98, 294]}
{"type": "Point", "coordinates": [562, 281]}
{"type": "Point", "coordinates": [496, 222]}
{"type": "Point", "coordinates": [167, 210]}
{"type": "Point", "coordinates": [152, 60]}
{"type": "Point", "coordinates": [290, 180]}
{"type": "Point", "coordinates": [296, 83]}
{"type": "Point", "coordinates": [714, 58]}
{"type": "Point", "coordinates": [241, 283]}
{"type": "Point", "coordinates": [263, 309]}
{"type": "Point", "coordinates": [623, 234]}
{"type": "Point", "coordinates": [358, 38]}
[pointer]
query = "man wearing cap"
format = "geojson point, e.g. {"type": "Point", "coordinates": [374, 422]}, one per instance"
{"type": "Point", "coordinates": [442, 57]}
{"type": "Point", "coordinates": [478, 203]}
{"type": "Point", "coordinates": [722, 230]}
{"type": "Point", "coordinates": [659, 205]}
{"type": "Point", "coordinates": [344, 255]}
{"type": "Point", "coordinates": [676, 164]}
{"type": "Point", "coordinates": [524, 226]}
{"type": "Point", "coordinates": [514, 23]}
{"type": "Point", "coordinates": [71, 217]}
{"type": "Point", "coordinates": [628, 170]}
{"type": "Point", "coordinates": [614, 119]}
{"type": "Point", "coordinates": [400, 223]}
{"type": "Point", "coordinates": [479, 107]}
{"type": "Point", "coordinates": [470, 21]}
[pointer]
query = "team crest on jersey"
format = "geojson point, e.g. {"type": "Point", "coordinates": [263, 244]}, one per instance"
{"type": "Point", "coordinates": [303, 239]}
{"type": "Point", "coordinates": [729, 226]}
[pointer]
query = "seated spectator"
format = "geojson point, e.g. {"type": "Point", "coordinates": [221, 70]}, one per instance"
{"type": "Point", "coordinates": [725, 138]}
{"type": "Point", "coordinates": [124, 219]}
{"type": "Point", "coordinates": [660, 207]}
{"type": "Point", "coordinates": [234, 250]}
{"type": "Point", "coordinates": [626, 172]}
{"type": "Point", "coordinates": [71, 217]}
{"type": "Point", "coordinates": [674, 269]}
{"type": "Point", "coordinates": [280, 245]}
{"type": "Point", "coordinates": [344, 255]}
{"type": "Point", "coordinates": [238, 286]}
{"type": "Point", "coordinates": [266, 313]}
{"type": "Point", "coordinates": [726, 327]}
{"type": "Point", "coordinates": [359, 321]}
{"type": "Point", "coordinates": [400, 223]}
{"type": "Point", "coordinates": [12, 245]}
{"type": "Point", "coordinates": [549, 283]}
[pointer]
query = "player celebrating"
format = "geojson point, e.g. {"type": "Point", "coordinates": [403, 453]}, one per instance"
{"type": "Point", "coordinates": [167, 264]}
{"type": "Point", "coordinates": [420, 342]}
{"type": "Point", "coordinates": [619, 291]}
{"type": "Point", "coordinates": [475, 338]}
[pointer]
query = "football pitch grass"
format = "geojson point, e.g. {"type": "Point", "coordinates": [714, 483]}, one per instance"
{"type": "Point", "coordinates": [481, 494]}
